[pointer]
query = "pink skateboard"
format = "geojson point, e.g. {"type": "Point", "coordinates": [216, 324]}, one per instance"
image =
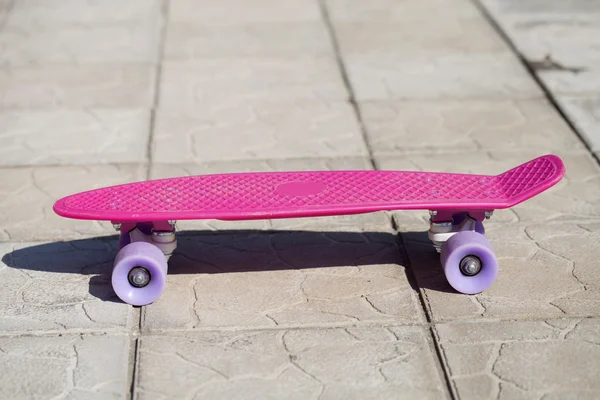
{"type": "Point", "coordinates": [145, 212]}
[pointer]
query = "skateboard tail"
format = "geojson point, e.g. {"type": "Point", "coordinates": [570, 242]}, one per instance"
{"type": "Point", "coordinates": [531, 178]}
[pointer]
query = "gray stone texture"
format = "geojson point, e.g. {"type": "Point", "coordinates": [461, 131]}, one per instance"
{"type": "Point", "coordinates": [67, 366]}
{"type": "Point", "coordinates": [487, 360]}
{"type": "Point", "coordinates": [257, 131]}
{"type": "Point", "coordinates": [366, 363]}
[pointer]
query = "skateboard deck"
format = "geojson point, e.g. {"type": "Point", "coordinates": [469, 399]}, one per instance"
{"type": "Point", "coordinates": [245, 196]}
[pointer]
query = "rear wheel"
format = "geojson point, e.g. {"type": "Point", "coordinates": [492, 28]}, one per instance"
{"type": "Point", "coordinates": [469, 262]}
{"type": "Point", "coordinates": [139, 273]}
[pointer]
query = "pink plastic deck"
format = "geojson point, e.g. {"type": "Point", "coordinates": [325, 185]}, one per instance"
{"type": "Point", "coordinates": [246, 196]}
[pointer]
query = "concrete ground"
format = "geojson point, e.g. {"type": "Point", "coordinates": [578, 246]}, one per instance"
{"type": "Point", "coordinates": [94, 93]}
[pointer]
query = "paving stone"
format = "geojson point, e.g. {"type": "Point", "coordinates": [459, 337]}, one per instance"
{"type": "Point", "coordinates": [5, 6]}
{"type": "Point", "coordinates": [30, 192]}
{"type": "Point", "coordinates": [194, 42]}
{"type": "Point", "coordinates": [115, 86]}
{"type": "Point", "coordinates": [584, 112]}
{"type": "Point", "coordinates": [577, 244]}
{"type": "Point", "coordinates": [285, 130]}
{"type": "Point", "coordinates": [217, 82]}
{"type": "Point", "coordinates": [407, 38]}
{"type": "Point", "coordinates": [554, 359]}
{"type": "Point", "coordinates": [159, 171]}
{"type": "Point", "coordinates": [574, 198]}
{"type": "Point", "coordinates": [542, 7]}
{"type": "Point", "coordinates": [293, 277]}
{"type": "Point", "coordinates": [123, 43]}
{"type": "Point", "coordinates": [60, 286]}
{"type": "Point", "coordinates": [60, 13]}
{"type": "Point", "coordinates": [584, 83]}
{"type": "Point", "coordinates": [445, 126]}
{"type": "Point", "coordinates": [405, 11]}
{"type": "Point", "coordinates": [206, 12]}
{"type": "Point", "coordinates": [365, 363]}
{"type": "Point", "coordinates": [569, 39]}
{"type": "Point", "coordinates": [497, 76]}
{"type": "Point", "coordinates": [73, 136]}
{"type": "Point", "coordinates": [73, 366]}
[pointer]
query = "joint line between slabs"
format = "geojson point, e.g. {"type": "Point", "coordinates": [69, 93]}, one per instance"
{"type": "Point", "coordinates": [164, 14]}
{"type": "Point", "coordinates": [434, 346]}
{"type": "Point", "coordinates": [346, 79]}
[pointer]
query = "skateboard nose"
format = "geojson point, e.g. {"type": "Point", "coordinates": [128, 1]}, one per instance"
{"type": "Point", "coordinates": [139, 277]}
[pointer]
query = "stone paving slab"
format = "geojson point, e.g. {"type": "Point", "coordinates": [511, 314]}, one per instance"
{"type": "Point", "coordinates": [77, 86]}
{"type": "Point", "coordinates": [30, 192]}
{"type": "Point", "coordinates": [60, 286]}
{"type": "Point", "coordinates": [497, 76]}
{"type": "Point", "coordinates": [552, 359]}
{"type": "Point", "coordinates": [407, 37]}
{"type": "Point", "coordinates": [296, 130]}
{"type": "Point", "coordinates": [585, 114]}
{"type": "Point", "coordinates": [62, 137]}
{"type": "Point", "coordinates": [61, 13]}
{"type": "Point", "coordinates": [68, 366]}
{"type": "Point", "coordinates": [192, 41]}
{"type": "Point", "coordinates": [395, 11]}
{"type": "Point", "coordinates": [570, 38]}
{"type": "Point", "coordinates": [159, 171]}
{"type": "Point", "coordinates": [323, 275]}
{"type": "Point", "coordinates": [207, 12]}
{"type": "Point", "coordinates": [5, 6]}
{"type": "Point", "coordinates": [362, 362]}
{"type": "Point", "coordinates": [580, 84]}
{"type": "Point", "coordinates": [405, 127]}
{"type": "Point", "coordinates": [125, 43]}
{"type": "Point", "coordinates": [549, 8]}
{"type": "Point", "coordinates": [459, 58]}
{"type": "Point", "coordinates": [219, 81]}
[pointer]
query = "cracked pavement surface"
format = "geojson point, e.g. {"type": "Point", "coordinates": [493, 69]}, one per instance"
{"type": "Point", "coordinates": [353, 307]}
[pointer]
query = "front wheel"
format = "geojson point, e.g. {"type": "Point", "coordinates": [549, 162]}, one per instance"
{"type": "Point", "coordinates": [139, 273]}
{"type": "Point", "coordinates": [469, 262]}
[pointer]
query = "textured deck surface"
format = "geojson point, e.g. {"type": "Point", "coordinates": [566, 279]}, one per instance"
{"type": "Point", "coordinates": [294, 194]}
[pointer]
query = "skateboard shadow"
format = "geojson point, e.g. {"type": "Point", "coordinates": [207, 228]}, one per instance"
{"type": "Point", "coordinates": [235, 251]}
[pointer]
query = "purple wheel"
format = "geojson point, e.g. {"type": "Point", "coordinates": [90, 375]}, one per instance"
{"type": "Point", "coordinates": [469, 262]}
{"type": "Point", "coordinates": [139, 273]}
